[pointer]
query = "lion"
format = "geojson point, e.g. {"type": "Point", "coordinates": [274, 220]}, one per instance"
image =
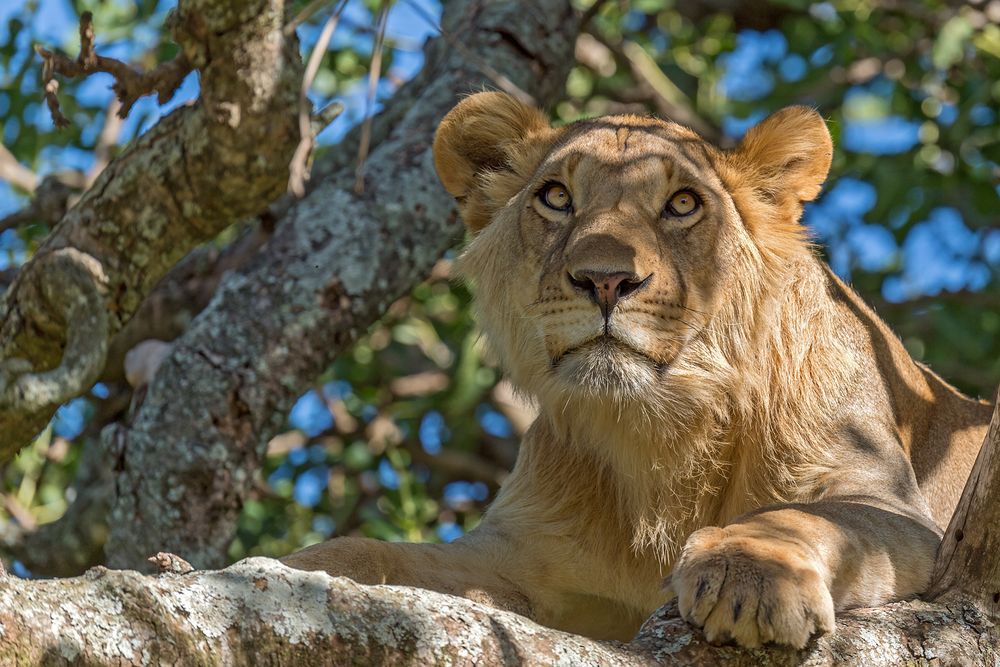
{"type": "Point", "coordinates": [721, 418]}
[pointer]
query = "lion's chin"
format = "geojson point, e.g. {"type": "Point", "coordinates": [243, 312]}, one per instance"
{"type": "Point", "coordinates": [607, 367]}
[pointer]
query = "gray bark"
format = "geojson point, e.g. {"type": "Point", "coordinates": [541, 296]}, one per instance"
{"type": "Point", "coordinates": [259, 612]}
{"type": "Point", "coordinates": [196, 172]}
{"type": "Point", "coordinates": [336, 261]}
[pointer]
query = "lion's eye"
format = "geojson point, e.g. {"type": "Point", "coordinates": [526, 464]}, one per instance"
{"type": "Point", "coordinates": [683, 203]}
{"type": "Point", "coordinates": [555, 196]}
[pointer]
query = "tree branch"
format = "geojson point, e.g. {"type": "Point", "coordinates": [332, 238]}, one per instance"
{"type": "Point", "coordinates": [129, 84]}
{"type": "Point", "coordinates": [298, 170]}
{"type": "Point", "coordinates": [50, 199]}
{"type": "Point", "coordinates": [260, 612]}
{"type": "Point", "coordinates": [335, 263]}
{"type": "Point", "coordinates": [197, 171]}
{"type": "Point", "coordinates": [72, 294]}
{"type": "Point", "coordinates": [968, 563]}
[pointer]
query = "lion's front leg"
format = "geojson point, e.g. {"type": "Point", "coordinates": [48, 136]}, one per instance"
{"type": "Point", "coordinates": [778, 576]}
{"type": "Point", "coordinates": [467, 568]}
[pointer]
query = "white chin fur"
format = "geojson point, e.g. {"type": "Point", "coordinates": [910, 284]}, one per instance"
{"type": "Point", "coordinates": [605, 368]}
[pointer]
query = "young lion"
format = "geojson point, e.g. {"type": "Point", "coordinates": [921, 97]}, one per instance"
{"type": "Point", "coordinates": [717, 407]}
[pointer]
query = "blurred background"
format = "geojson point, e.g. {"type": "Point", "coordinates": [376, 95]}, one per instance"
{"type": "Point", "coordinates": [408, 436]}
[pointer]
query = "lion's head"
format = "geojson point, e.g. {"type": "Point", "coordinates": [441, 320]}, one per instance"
{"type": "Point", "coordinates": [613, 256]}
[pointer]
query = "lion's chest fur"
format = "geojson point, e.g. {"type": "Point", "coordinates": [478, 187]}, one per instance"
{"type": "Point", "coordinates": [619, 510]}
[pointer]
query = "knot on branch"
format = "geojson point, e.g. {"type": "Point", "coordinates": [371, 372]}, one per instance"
{"type": "Point", "coordinates": [168, 563]}
{"type": "Point", "coordinates": [129, 85]}
{"type": "Point", "coordinates": [72, 289]}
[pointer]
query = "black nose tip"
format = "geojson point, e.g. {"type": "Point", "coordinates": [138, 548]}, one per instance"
{"type": "Point", "coordinates": [606, 289]}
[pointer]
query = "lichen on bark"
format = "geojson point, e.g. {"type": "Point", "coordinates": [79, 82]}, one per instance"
{"type": "Point", "coordinates": [262, 613]}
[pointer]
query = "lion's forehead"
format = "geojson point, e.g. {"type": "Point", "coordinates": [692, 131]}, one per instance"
{"type": "Point", "coordinates": [619, 148]}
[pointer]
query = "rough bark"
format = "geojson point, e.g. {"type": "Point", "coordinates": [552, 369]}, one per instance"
{"type": "Point", "coordinates": [182, 294]}
{"type": "Point", "coordinates": [968, 562]}
{"type": "Point", "coordinates": [197, 171]}
{"type": "Point", "coordinates": [259, 612]}
{"type": "Point", "coordinates": [336, 261]}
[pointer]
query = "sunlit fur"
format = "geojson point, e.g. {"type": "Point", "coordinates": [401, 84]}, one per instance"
{"type": "Point", "coordinates": [741, 374]}
{"type": "Point", "coordinates": [725, 380]}
{"type": "Point", "coordinates": [726, 359]}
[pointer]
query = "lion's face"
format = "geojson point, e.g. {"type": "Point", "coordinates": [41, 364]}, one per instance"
{"type": "Point", "coordinates": [626, 235]}
{"type": "Point", "coordinates": [604, 249]}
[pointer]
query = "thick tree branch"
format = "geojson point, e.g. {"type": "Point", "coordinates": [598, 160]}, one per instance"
{"type": "Point", "coordinates": [73, 296]}
{"type": "Point", "coordinates": [199, 170]}
{"type": "Point", "coordinates": [262, 613]}
{"type": "Point", "coordinates": [335, 263]}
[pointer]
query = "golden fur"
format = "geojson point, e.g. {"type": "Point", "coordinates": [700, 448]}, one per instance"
{"type": "Point", "coordinates": [741, 423]}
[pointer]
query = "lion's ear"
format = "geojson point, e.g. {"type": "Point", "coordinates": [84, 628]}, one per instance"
{"type": "Point", "coordinates": [780, 163]}
{"type": "Point", "coordinates": [486, 134]}
{"type": "Point", "coordinates": [788, 153]}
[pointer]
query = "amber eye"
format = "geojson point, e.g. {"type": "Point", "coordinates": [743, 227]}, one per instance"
{"type": "Point", "coordinates": [555, 196]}
{"type": "Point", "coordinates": [683, 203]}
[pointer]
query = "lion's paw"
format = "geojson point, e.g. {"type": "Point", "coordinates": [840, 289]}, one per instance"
{"type": "Point", "coordinates": [751, 589]}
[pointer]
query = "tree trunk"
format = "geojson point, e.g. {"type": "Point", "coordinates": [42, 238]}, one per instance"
{"type": "Point", "coordinates": [336, 261]}
{"type": "Point", "coordinates": [968, 561]}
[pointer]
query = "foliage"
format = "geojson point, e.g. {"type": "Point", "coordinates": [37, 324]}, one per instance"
{"type": "Point", "coordinates": [406, 437]}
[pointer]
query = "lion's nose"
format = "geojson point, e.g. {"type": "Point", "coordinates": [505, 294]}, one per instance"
{"type": "Point", "coordinates": [606, 289]}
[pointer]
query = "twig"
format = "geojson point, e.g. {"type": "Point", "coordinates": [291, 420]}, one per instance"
{"type": "Point", "coordinates": [588, 14]}
{"type": "Point", "coordinates": [670, 99]}
{"type": "Point", "coordinates": [16, 219]}
{"type": "Point", "coordinates": [16, 173]}
{"type": "Point", "coordinates": [19, 512]}
{"type": "Point", "coordinates": [374, 73]}
{"type": "Point", "coordinates": [307, 13]}
{"type": "Point", "coordinates": [167, 563]}
{"type": "Point", "coordinates": [298, 169]}
{"type": "Point", "coordinates": [48, 205]}
{"type": "Point", "coordinates": [129, 84]}
{"type": "Point", "coordinates": [106, 141]}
